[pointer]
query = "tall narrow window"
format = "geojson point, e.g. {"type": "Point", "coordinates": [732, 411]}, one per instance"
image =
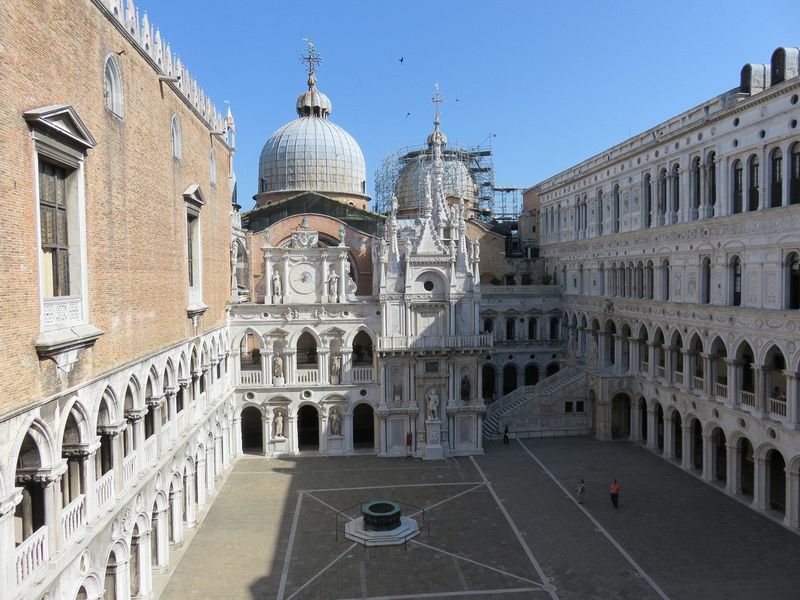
{"type": "Point", "coordinates": [599, 212]}
{"type": "Point", "coordinates": [615, 216]}
{"type": "Point", "coordinates": [793, 281]}
{"type": "Point", "coordinates": [648, 201]}
{"type": "Point", "coordinates": [212, 167]}
{"type": "Point", "coordinates": [176, 138]}
{"type": "Point", "coordinates": [191, 252]}
{"type": "Point", "coordinates": [112, 87]}
{"type": "Point", "coordinates": [752, 192]}
{"type": "Point", "coordinates": [662, 192]}
{"type": "Point", "coordinates": [736, 281]}
{"type": "Point", "coordinates": [696, 187]}
{"type": "Point", "coordinates": [665, 280]}
{"type": "Point", "coordinates": [53, 213]}
{"type": "Point", "coordinates": [794, 174]}
{"type": "Point", "coordinates": [705, 281]}
{"type": "Point", "coordinates": [737, 187]}
{"type": "Point", "coordinates": [776, 178]}
{"type": "Point", "coordinates": [711, 173]}
{"type": "Point", "coordinates": [676, 193]}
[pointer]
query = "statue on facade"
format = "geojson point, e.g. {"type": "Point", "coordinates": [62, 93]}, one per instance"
{"type": "Point", "coordinates": [336, 365]}
{"type": "Point", "coordinates": [465, 388]}
{"type": "Point", "coordinates": [336, 422]}
{"type": "Point", "coordinates": [333, 284]}
{"type": "Point", "coordinates": [432, 402]}
{"type": "Point", "coordinates": [276, 284]}
{"type": "Point", "coordinates": [279, 424]}
{"type": "Point", "coordinates": [342, 235]}
{"type": "Point", "coordinates": [277, 366]}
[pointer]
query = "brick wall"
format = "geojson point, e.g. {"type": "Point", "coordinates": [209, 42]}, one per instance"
{"type": "Point", "coordinates": [53, 52]}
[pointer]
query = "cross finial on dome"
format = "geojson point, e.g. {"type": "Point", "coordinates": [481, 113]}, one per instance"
{"type": "Point", "coordinates": [436, 101]}
{"type": "Point", "coordinates": [312, 60]}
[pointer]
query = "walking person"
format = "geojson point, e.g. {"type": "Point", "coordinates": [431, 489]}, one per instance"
{"type": "Point", "coordinates": [615, 493]}
{"type": "Point", "coordinates": [505, 436]}
{"type": "Point", "coordinates": [580, 491]}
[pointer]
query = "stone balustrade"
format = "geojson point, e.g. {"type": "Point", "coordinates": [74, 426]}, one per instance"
{"type": "Point", "coordinates": [73, 516]}
{"type": "Point", "coordinates": [104, 488]}
{"type": "Point", "coordinates": [31, 554]}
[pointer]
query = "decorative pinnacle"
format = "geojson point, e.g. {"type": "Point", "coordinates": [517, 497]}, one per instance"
{"type": "Point", "coordinates": [436, 101]}
{"type": "Point", "coordinates": [312, 59]}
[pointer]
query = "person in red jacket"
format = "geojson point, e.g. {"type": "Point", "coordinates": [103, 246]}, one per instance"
{"type": "Point", "coordinates": [614, 493]}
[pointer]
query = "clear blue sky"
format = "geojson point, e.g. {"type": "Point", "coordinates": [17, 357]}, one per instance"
{"type": "Point", "coordinates": [556, 82]}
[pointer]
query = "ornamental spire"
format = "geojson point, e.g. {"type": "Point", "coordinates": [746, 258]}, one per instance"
{"type": "Point", "coordinates": [312, 59]}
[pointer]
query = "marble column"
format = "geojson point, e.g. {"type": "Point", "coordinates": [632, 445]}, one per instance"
{"type": "Point", "coordinates": [709, 460]}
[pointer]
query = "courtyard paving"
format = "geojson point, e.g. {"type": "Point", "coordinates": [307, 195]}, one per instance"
{"type": "Point", "coordinates": [499, 526]}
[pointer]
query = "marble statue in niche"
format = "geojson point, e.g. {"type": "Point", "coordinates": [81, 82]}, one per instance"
{"type": "Point", "coordinates": [279, 424]}
{"type": "Point", "coordinates": [277, 291]}
{"type": "Point", "coordinates": [336, 422]}
{"type": "Point", "coordinates": [432, 402]}
{"type": "Point", "coordinates": [277, 366]}
{"type": "Point", "coordinates": [333, 284]}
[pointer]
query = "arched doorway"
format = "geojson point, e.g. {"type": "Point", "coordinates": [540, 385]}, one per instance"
{"type": "Point", "coordinates": [776, 485]}
{"type": "Point", "coordinates": [660, 427]}
{"type": "Point", "coordinates": [509, 379]}
{"type": "Point", "coordinates": [677, 435]}
{"type": "Point", "coordinates": [531, 374]}
{"type": "Point", "coordinates": [552, 369]}
{"type": "Point", "coordinates": [620, 417]}
{"type": "Point", "coordinates": [363, 426]}
{"type": "Point", "coordinates": [488, 376]}
{"type": "Point", "coordinates": [643, 418]}
{"type": "Point", "coordinates": [308, 428]}
{"type": "Point", "coordinates": [252, 431]}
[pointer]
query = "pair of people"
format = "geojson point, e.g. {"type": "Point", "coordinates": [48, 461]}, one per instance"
{"type": "Point", "coordinates": [580, 492]}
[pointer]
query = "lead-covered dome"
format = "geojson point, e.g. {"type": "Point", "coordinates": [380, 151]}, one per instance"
{"type": "Point", "coordinates": [458, 181]}
{"type": "Point", "coordinates": [311, 153]}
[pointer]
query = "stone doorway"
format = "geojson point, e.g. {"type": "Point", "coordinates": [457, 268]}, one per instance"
{"type": "Point", "coordinates": [363, 427]}
{"type": "Point", "coordinates": [308, 428]}
{"type": "Point", "coordinates": [252, 431]}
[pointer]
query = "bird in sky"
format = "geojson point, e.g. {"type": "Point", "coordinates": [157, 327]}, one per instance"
{"type": "Point", "coordinates": [408, 114]}
{"type": "Point", "coordinates": [401, 60]}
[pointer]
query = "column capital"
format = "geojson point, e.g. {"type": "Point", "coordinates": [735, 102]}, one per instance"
{"type": "Point", "coordinates": [135, 415]}
{"type": "Point", "coordinates": [112, 430]}
{"type": "Point", "coordinates": [155, 401]}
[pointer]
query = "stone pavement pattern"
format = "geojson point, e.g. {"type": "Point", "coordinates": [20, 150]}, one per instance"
{"type": "Point", "coordinates": [692, 540]}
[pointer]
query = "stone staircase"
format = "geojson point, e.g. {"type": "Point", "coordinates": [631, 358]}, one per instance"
{"type": "Point", "coordinates": [547, 387]}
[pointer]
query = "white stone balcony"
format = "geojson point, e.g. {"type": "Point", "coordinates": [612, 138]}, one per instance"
{"type": "Point", "coordinates": [721, 391]}
{"type": "Point", "coordinates": [181, 422]}
{"type": "Point", "coordinates": [167, 433]}
{"type": "Point", "coordinates": [307, 376]}
{"type": "Point", "coordinates": [363, 374]}
{"type": "Point", "coordinates": [777, 406]}
{"type": "Point", "coordinates": [31, 554]}
{"type": "Point", "coordinates": [73, 516]}
{"type": "Point", "coordinates": [698, 383]}
{"type": "Point", "coordinates": [249, 377]}
{"type": "Point", "coordinates": [104, 488]}
{"type": "Point", "coordinates": [678, 378]}
{"type": "Point", "coordinates": [150, 450]}
{"type": "Point", "coordinates": [435, 342]}
{"type": "Point", "coordinates": [661, 372]}
{"type": "Point", "coordinates": [129, 468]}
{"type": "Point", "coordinates": [747, 398]}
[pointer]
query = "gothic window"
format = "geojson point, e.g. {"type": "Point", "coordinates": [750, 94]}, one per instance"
{"type": "Point", "coordinates": [737, 187]}
{"type": "Point", "coordinates": [212, 166]}
{"type": "Point", "coordinates": [599, 212]}
{"type": "Point", "coordinates": [191, 249]}
{"type": "Point", "coordinates": [488, 325]}
{"type": "Point", "coordinates": [662, 192]}
{"type": "Point", "coordinates": [705, 281]}
{"type": "Point", "coordinates": [793, 281]}
{"type": "Point", "coordinates": [176, 138]}
{"type": "Point", "coordinates": [752, 191]}
{"type": "Point", "coordinates": [112, 87]}
{"type": "Point", "coordinates": [794, 173]}
{"type": "Point", "coordinates": [510, 325]}
{"type": "Point", "coordinates": [554, 322]}
{"type": "Point", "coordinates": [648, 200]}
{"type": "Point", "coordinates": [736, 281]}
{"type": "Point", "coordinates": [776, 178]}
{"type": "Point", "coordinates": [532, 324]}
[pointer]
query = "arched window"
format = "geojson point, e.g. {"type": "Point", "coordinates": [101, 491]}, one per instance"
{"type": "Point", "coordinates": [488, 325]}
{"type": "Point", "coordinates": [752, 190]}
{"type": "Point", "coordinates": [532, 326]}
{"type": "Point", "coordinates": [615, 216]}
{"type": "Point", "coordinates": [793, 281]}
{"type": "Point", "coordinates": [736, 281]}
{"type": "Point", "coordinates": [212, 166]}
{"type": "Point", "coordinates": [648, 200]}
{"type": "Point", "coordinates": [711, 177]}
{"type": "Point", "coordinates": [510, 328]}
{"type": "Point", "coordinates": [737, 187]}
{"type": "Point", "coordinates": [665, 279]}
{"type": "Point", "coordinates": [705, 281]}
{"type": "Point", "coordinates": [776, 178]}
{"type": "Point", "coordinates": [176, 138]}
{"type": "Point", "coordinates": [112, 87]}
{"type": "Point", "coordinates": [662, 192]}
{"type": "Point", "coordinates": [794, 174]}
{"type": "Point", "coordinates": [676, 192]}
{"type": "Point", "coordinates": [696, 188]}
